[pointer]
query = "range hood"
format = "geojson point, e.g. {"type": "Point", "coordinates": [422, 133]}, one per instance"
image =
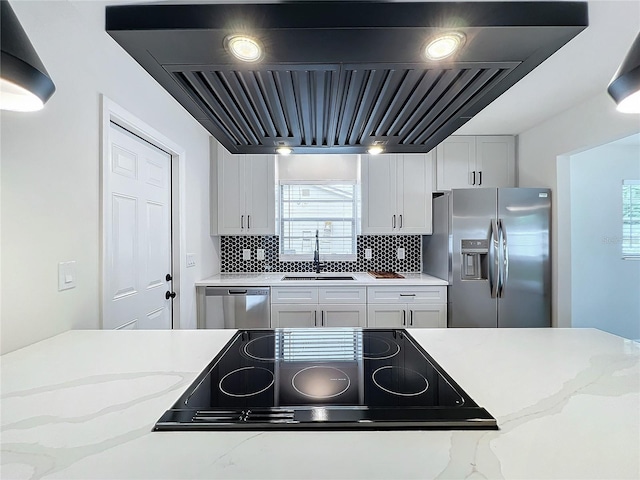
{"type": "Point", "coordinates": [339, 77]}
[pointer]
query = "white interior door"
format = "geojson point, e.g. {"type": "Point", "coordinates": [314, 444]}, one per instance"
{"type": "Point", "coordinates": [137, 214]}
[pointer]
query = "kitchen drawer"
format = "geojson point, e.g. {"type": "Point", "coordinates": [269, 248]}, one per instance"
{"type": "Point", "coordinates": [341, 294]}
{"type": "Point", "coordinates": [294, 295]}
{"type": "Point", "coordinates": [409, 294]}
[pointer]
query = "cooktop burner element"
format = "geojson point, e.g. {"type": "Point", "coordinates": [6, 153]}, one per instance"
{"type": "Point", "coordinates": [376, 348]}
{"type": "Point", "coordinates": [320, 382]}
{"type": "Point", "coordinates": [246, 381]}
{"type": "Point", "coordinates": [400, 381]}
{"type": "Point", "coordinates": [324, 378]}
{"type": "Point", "coordinates": [260, 348]}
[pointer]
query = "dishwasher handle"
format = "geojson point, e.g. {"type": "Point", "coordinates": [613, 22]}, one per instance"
{"type": "Point", "coordinates": [223, 291]}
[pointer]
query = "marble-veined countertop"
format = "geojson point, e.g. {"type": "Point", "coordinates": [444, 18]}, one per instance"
{"type": "Point", "coordinates": [82, 405]}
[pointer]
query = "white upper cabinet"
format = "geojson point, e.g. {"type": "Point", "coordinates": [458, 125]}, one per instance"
{"type": "Point", "coordinates": [396, 194]}
{"type": "Point", "coordinates": [476, 162]}
{"type": "Point", "coordinates": [246, 194]}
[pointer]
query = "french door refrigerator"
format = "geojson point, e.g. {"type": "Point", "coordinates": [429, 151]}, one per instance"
{"type": "Point", "coordinates": [493, 247]}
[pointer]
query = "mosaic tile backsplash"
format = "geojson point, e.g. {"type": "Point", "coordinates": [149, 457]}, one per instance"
{"type": "Point", "coordinates": [383, 249]}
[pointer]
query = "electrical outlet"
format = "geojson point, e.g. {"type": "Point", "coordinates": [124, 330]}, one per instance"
{"type": "Point", "coordinates": [191, 260]}
{"type": "Point", "coordinates": [401, 253]}
{"type": "Point", "coordinates": [367, 254]}
{"type": "Point", "coordinates": [260, 253]}
{"type": "Point", "coordinates": [246, 254]}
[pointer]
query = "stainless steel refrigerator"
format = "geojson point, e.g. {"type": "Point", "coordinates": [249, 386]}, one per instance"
{"type": "Point", "coordinates": [493, 247]}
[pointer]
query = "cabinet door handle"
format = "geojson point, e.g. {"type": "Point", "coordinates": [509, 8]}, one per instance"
{"type": "Point", "coordinates": [322, 319]}
{"type": "Point", "coordinates": [394, 221]}
{"type": "Point", "coordinates": [400, 221]}
{"type": "Point", "coordinates": [411, 318]}
{"type": "Point", "coordinates": [480, 175]}
{"type": "Point", "coordinates": [241, 221]}
{"type": "Point", "coordinates": [248, 222]}
{"type": "Point", "coordinates": [404, 318]}
{"type": "Point", "coordinates": [474, 178]}
{"type": "Point", "coordinates": [315, 318]}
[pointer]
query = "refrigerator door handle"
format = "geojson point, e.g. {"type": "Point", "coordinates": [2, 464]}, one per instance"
{"type": "Point", "coordinates": [494, 262]}
{"type": "Point", "coordinates": [504, 264]}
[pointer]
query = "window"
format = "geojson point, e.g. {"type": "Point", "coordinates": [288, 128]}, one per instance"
{"type": "Point", "coordinates": [330, 208]}
{"type": "Point", "coordinates": [631, 219]}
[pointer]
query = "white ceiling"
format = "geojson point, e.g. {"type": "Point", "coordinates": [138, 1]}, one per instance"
{"type": "Point", "coordinates": [580, 70]}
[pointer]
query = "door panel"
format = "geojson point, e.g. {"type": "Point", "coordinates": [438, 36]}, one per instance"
{"type": "Point", "coordinates": [259, 195]}
{"type": "Point", "coordinates": [393, 316]}
{"type": "Point", "coordinates": [526, 297]}
{"type": "Point", "coordinates": [343, 315]}
{"type": "Point", "coordinates": [470, 300]}
{"type": "Point", "coordinates": [414, 194]}
{"type": "Point", "coordinates": [157, 245]}
{"type": "Point", "coordinates": [455, 161]}
{"type": "Point", "coordinates": [292, 316]}
{"type": "Point", "coordinates": [378, 194]}
{"type": "Point", "coordinates": [124, 239]}
{"type": "Point", "coordinates": [427, 316]}
{"type": "Point", "coordinates": [138, 233]}
{"type": "Point", "coordinates": [495, 160]}
{"type": "Point", "coordinates": [231, 190]}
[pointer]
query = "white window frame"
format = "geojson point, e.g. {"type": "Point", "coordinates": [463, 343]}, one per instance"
{"type": "Point", "coordinates": [628, 255]}
{"type": "Point", "coordinates": [323, 256]}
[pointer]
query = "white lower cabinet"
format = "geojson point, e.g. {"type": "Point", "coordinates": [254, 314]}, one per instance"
{"type": "Point", "coordinates": [407, 307]}
{"type": "Point", "coordinates": [407, 316]}
{"type": "Point", "coordinates": [289, 316]}
{"type": "Point", "coordinates": [308, 307]}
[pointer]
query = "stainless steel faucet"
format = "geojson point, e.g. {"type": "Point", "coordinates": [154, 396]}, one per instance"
{"type": "Point", "coordinates": [317, 266]}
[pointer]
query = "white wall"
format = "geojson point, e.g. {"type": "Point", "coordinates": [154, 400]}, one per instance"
{"type": "Point", "coordinates": [50, 174]}
{"type": "Point", "coordinates": [604, 287]}
{"type": "Point", "coordinates": [592, 123]}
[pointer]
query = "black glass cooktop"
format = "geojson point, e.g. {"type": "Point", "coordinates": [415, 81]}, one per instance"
{"type": "Point", "coordinates": [342, 378]}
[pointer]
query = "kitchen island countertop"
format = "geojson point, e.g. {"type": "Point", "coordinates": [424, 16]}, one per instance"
{"type": "Point", "coordinates": [272, 279]}
{"type": "Point", "coordinates": [82, 405]}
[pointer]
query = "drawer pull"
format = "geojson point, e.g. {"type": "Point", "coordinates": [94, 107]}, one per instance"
{"type": "Point", "coordinates": [407, 294]}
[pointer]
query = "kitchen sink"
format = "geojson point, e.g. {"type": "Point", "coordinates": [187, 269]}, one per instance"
{"type": "Point", "coordinates": [318, 277]}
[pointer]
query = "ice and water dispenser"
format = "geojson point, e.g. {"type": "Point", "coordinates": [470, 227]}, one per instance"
{"type": "Point", "coordinates": [474, 259]}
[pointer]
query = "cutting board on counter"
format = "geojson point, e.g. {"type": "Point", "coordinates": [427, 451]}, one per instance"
{"type": "Point", "coordinates": [385, 274]}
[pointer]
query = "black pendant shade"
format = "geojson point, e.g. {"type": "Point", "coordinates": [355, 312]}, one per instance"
{"type": "Point", "coordinates": [25, 83]}
{"type": "Point", "coordinates": [625, 86]}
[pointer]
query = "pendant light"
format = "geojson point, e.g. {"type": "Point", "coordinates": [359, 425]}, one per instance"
{"type": "Point", "coordinates": [625, 86]}
{"type": "Point", "coordinates": [25, 85]}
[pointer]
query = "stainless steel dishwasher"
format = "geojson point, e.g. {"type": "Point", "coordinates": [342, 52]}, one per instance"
{"type": "Point", "coordinates": [231, 307]}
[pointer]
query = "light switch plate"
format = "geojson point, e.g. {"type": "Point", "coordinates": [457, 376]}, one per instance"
{"type": "Point", "coordinates": [246, 254]}
{"type": "Point", "coordinates": [367, 254]}
{"type": "Point", "coordinates": [191, 260]}
{"type": "Point", "coordinates": [401, 253]}
{"type": "Point", "coordinates": [260, 253]}
{"type": "Point", "coordinates": [66, 275]}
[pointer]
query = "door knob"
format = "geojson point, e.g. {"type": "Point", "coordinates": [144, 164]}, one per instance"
{"type": "Point", "coordinates": [169, 295]}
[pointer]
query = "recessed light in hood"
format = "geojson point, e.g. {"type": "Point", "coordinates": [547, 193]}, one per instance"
{"type": "Point", "coordinates": [244, 48]}
{"type": "Point", "coordinates": [340, 83]}
{"type": "Point", "coordinates": [444, 45]}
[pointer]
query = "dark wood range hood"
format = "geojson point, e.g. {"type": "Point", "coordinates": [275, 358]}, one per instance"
{"type": "Point", "coordinates": [338, 77]}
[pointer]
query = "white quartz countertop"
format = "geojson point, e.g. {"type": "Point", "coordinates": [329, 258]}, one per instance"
{"type": "Point", "coordinates": [275, 279]}
{"type": "Point", "coordinates": [82, 405]}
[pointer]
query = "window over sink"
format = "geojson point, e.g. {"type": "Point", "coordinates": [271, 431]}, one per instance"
{"type": "Point", "coordinates": [331, 208]}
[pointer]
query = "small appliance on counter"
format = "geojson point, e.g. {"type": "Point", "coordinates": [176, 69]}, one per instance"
{"type": "Point", "coordinates": [492, 246]}
{"type": "Point", "coordinates": [324, 378]}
